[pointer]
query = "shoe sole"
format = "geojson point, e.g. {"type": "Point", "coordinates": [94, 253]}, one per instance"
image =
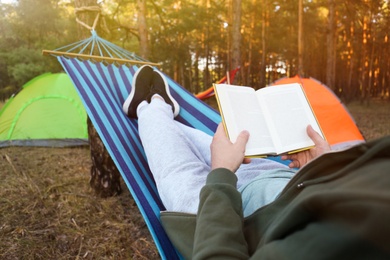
{"type": "Point", "coordinates": [175, 105]}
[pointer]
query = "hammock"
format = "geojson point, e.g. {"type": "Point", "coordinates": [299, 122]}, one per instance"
{"type": "Point", "coordinates": [103, 84]}
{"type": "Point", "coordinates": [103, 90]}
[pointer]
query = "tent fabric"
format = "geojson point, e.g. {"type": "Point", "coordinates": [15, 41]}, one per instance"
{"type": "Point", "coordinates": [46, 112]}
{"type": "Point", "coordinates": [335, 121]}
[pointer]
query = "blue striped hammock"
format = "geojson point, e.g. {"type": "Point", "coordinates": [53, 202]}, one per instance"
{"type": "Point", "coordinates": [103, 85]}
{"type": "Point", "coordinates": [103, 89]}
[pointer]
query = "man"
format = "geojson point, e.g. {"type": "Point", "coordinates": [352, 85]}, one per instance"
{"type": "Point", "coordinates": [179, 156]}
{"type": "Point", "coordinates": [259, 209]}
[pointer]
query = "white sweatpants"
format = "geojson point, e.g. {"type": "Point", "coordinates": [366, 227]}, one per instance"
{"type": "Point", "coordinates": [179, 158]}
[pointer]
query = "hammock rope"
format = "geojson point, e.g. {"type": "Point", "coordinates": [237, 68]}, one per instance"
{"type": "Point", "coordinates": [93, 8]}
{"type": "Point", "coordinates": [98, 49]}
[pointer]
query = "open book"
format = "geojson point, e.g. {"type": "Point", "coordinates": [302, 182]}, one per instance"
{"type": "Point", "coordinates": [276, 117]}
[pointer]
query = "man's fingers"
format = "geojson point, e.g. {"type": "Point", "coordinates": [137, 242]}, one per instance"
{"type": "Point", "coordinates": [247, 160]}
{"type": "Point", "coordinates": [294, 164]}
{"type": "Point", "coordinates": [242, 139]}
{"type": "Point", "coordinates": [220, 133]}
{"type": "Point", "coordinates": [220, 129]}
{"type": "Point", "coordinates": [316, 137]}
{"type": "Point", "coordinates": [289, 156]}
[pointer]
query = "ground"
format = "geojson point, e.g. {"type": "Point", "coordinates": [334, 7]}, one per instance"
{"type": "Point", "coordinates": [48, 210]}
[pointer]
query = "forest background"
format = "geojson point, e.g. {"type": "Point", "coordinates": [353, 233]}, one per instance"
{"type": "Point", "coordinates": [344, 44]}
{"type": "Point", "coordinates": [47, 208]}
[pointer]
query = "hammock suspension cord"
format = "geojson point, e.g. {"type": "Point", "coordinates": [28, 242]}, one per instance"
{"type": "Point", "coordinates": [96, 48]}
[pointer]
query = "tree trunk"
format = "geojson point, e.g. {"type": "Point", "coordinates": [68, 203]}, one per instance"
{"type": "Point", "coordinates": [236, 38]}
{"type": "Point", "coordinates": [105, 177]}
{"type": "Point", "coordinates": [248, 81]}
{"type": "Point", "coordinates": [196, 84]}
{"type": "Point", "coordinates": [300, 38]}
{"type": "Point", "coordinates": [330, 68]}
{"type": "Point", "coordinates": [143, 29]}
{"type": "Point", "coordinates": [365, 61]}
{"type": "Point", "coordinates": [264, 24]}
{"type": "Point", "coordinates": [385, 67]}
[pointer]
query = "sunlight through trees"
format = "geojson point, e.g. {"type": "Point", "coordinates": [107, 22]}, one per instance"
{"type": "Point", "coordinates": [343, 44]}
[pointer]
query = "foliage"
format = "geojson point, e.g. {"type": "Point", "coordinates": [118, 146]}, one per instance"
{"type": "Point", "coordinates": [192, 40]}
{"type": "Point", "coordinates": [24, 33]}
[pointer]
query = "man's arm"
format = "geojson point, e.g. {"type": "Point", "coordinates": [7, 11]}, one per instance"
{"type": "Point", "coordinates": [219, 229]}
{"type": "Point", "coordinates": [219, 225]}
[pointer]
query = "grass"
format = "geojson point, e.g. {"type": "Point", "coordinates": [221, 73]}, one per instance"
{"type": "Point", "coordinates": [373, 119]}
{"type": "Point", "coordinates": [48, 210]}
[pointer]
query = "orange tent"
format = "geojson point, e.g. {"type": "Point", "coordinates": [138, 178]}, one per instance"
{"type": "Point", "coordinates": [336, 123]}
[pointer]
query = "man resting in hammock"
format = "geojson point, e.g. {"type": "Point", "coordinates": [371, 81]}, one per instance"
{"type": "Point", "coordinates": [179, 156]}
{"type": "Point", "coordinates": [306, 220]}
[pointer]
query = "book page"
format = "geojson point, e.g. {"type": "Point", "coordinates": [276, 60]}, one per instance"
{"type": "Point", "coordinates": [241, 111]}
{"type": "Point", "coordinates": [288, 113]}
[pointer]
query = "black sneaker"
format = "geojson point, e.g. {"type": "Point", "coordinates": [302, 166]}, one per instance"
{"type": "Point", "coordinates": [160, 86]}
{"type": "Point", "coordinates": [140, 90]}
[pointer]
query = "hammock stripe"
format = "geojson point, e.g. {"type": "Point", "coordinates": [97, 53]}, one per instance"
{"type": "Point", "coordinates": [103, 89]}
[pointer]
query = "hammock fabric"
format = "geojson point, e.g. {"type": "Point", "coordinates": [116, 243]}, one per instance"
{"type": "Point", "coordinates": [103, 89]}
{"type": "Point", "coordinates": [102, 77]}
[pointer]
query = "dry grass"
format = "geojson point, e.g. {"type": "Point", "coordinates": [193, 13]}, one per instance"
{"type": "Point", "coordinates": [373, 119]}
{"type": "Point", "coordinates": [48, 211]}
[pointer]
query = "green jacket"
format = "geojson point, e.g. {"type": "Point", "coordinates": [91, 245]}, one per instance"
{"type": "Point", "coordinates": [336, 207]}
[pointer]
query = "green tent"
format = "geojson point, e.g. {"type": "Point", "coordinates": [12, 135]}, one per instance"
{"type": "Point", "coordinates": [46, 112]}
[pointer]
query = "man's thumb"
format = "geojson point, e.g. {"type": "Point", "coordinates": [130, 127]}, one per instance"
{"type": "Point", "coordinates": [316, 137]}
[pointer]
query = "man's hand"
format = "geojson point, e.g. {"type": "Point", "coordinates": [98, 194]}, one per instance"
{"type": "Point", "coordinates": [225, 154]}
{"type": "Point", "coordinates": [300, 159]}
